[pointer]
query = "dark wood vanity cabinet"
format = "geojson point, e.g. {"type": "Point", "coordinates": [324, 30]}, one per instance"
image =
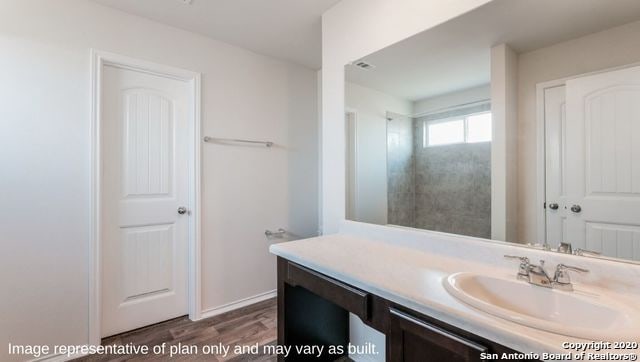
{"type": "Point", "coordinates": [313, 309]}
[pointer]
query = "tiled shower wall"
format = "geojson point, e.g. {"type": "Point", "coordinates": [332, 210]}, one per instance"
{"type": "Point", "coordinates": [400, 171]}
{"type": "Point", "coordinates": [442, 188]}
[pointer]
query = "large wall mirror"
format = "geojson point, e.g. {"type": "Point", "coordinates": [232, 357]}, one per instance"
{"type": "Point", "coordinates": [518, 121]}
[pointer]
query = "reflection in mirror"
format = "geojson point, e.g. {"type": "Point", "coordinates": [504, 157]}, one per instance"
{"type": "Point", "coordinates": [442, 157]}
{"type": "Point", "coordinates": [518, 121]}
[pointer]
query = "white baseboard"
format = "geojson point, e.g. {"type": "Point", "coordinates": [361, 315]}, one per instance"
{"type": "Point", "coordinates": [210, 312]}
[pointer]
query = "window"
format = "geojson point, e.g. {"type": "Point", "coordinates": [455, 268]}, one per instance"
{"type": "Point", "coordinates": [444, 133]}
{"type": "Point", "coordinates": [472, 128]}
{"type": "Point", "coordinates": [479, 128]}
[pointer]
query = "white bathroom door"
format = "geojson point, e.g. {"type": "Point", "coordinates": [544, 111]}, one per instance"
{"type": "Point", "coordinates": [555, 187]}
{"type": "Point", "coordinates": [144, 234]}
{"type": "Point", "coordinates": [603, 163]}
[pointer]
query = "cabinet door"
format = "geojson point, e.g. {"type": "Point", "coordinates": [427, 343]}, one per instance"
{"type": "Point", "coordinates": [411, 339]}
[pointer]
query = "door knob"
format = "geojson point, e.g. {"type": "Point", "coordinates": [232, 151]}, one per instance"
{"type": "Point", "coordinates": [182, 210]}
{"type": "Point", "coordinates": [576, 208]}
{"type": "Point", "coordinates": [553, 206]}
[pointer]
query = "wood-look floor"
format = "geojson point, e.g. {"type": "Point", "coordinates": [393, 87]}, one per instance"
{"type": "Point", "coordinates": [246, 326]}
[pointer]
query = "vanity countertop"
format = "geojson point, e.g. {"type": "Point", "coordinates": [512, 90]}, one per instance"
{"type": "Point", "coordinates": [414, 278]}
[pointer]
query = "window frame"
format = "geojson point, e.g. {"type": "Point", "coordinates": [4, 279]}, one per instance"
{"type": "Point", "coordinates": [465, 124]}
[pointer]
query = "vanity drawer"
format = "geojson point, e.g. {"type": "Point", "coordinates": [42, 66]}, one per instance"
{"type": "Point", "coordinates": [347, 297]}
{"type": "Point", "coordinates": [412, 339]}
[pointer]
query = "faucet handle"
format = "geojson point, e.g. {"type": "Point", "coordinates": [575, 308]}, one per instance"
{"type": "Point", "coordinates": [561, 278]}
{"type": "Point", "coordinates": [523, 269]}
{"type": "Point", "coordinates": [523, 259]}
{"type": "Point", "coordinates": [563, 267]}
{"type": "Point", "coordinates": [585, 252]}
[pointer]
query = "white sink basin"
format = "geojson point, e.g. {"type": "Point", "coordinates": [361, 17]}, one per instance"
{"type": "Point", "coordinates": [576, 314]}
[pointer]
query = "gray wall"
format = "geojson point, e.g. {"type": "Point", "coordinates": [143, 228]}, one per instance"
{"type": "Point", "coordinates": [442, 188]}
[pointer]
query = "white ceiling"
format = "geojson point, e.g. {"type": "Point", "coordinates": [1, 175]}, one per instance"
{"type": "Point", "coordinates": [284, 29]}
{"type": "Point", "coordinates": [455, 55]}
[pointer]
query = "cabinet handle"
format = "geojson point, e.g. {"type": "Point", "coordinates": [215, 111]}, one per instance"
{"type": "Point", "coordinates": [354, 300]}
{"type": "Point", "coordinates": [326, 279]}
{"type": "Point", "coordinates": [437, 330]}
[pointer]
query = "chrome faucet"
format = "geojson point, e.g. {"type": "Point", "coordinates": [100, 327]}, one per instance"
{"type": "Point", "coordinates": [566, 248]}
{"type": "Point", "coordinates": [537, 275]}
